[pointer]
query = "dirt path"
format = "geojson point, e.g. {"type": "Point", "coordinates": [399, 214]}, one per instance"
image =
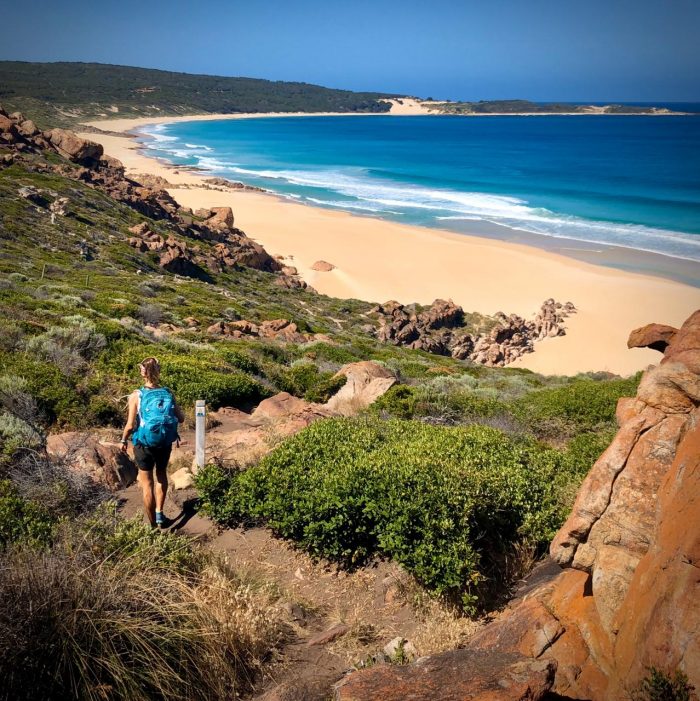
{"type": "Point", "coordinates": [360, 612]}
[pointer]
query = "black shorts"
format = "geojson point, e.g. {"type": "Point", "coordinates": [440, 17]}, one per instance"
{"type": "Point", "coordinates": [146, 458]}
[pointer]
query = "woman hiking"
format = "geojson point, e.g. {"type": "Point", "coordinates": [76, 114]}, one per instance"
{"type": "Point", "coordinates": [153, 417]}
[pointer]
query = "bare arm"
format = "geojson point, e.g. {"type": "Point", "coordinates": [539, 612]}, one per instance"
{"type": "Point", "coordinates": [130, 419]}
{"type": "Point", "coordinates": [178, 412]}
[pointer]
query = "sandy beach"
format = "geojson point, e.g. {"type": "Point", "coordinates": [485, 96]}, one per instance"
{"type": "Point", "coordinates": [378, 260]}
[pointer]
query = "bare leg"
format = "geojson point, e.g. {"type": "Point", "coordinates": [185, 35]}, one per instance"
{"type": "Point", "coordinates": [149, 506]}
{"type": "Point", "coordinates": [161, 488]}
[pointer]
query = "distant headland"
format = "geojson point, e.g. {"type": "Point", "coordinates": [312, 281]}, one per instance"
{"type": "Point", "coordinates": [67, 93]}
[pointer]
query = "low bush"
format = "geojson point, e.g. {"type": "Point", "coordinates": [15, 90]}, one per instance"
{"type": "Point", "coordinates": [444, 502]}
{"type": "Point", "coordinates": [331, 353]}
{"type": "Point", "coordinates": [304, 379]}
{"type": "Point", "coordinates": [239, 358]}
{"type": "Point", "coordinates": [399, 402]}
{"type": "Point", "coordinates": [68, 347]}
{"type": "Point", "coordinates": [11, 336]}
{"type": "Point", "coordinates": [583, 450]}
{"type": "Point", "coordinates": [583, 405]}
{"type": "Point", "coordinates": [191, 376]}
{"type": "Point", "coordinates": [20, 420]}
{"type": "Point", "coordinates": [22, 520]}
{"type": "Point", "coordinates": [151, 314]}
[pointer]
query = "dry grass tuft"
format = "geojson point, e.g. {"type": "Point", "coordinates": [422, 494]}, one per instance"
{"type": "Point", "coordinates": [92, 622]}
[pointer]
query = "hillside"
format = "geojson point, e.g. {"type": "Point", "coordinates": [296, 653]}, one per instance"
{"type": "Point", "coordinates": [527, 107]}
{"type": "Point", "coordinates": [66, 93]}
{"type": "Point", "coordinates": [368, 437]}
{"type": "Point", "coordinates": [59, 94]}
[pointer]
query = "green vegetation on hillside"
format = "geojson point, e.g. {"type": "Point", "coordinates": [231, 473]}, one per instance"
{"type": "Point", "coordinates": [63, 93]}
{"type": "Point", "coordinates": [527, 107]}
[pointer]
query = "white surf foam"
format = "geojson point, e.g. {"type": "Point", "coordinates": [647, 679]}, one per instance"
{"type": "Point", "coordinates": [384, 197]}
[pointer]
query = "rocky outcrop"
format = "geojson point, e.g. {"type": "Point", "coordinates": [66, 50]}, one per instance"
{"type": "Point", "coordinates": [632, 540]}
{"type": "Point", "coordinates": [183, 258]}
{"type": "Point", "coordinates": [627, 598]}
{"type": "Point", "coordinates": [174, 256]}
{"type": "Point", "coordinates": [322, 266]}
{"type": "Point", "coordinates": [654, 336]}
{"type": "Point", "coordinates": [366, 382]}
{"type": "Point", "coordinates": [101, 460]}
{"type": "Point", "coordinates": [229, 248]}
{"type": "Point", "coordinates": [459, 675]}
{"type": "Point", "coordinates": [439, 329]}
{"type": "Point", "coordinates": [276, 329]}
{"type": "Point", "coordinates": [75, 149]}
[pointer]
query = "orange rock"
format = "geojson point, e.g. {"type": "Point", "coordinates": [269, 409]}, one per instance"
{"type": "Point", "coordinates": [654, 336]}
{"type": "Point", "coordinates": [458, 675]}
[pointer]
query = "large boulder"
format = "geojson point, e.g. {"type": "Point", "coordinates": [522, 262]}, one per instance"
{"type": "Point", "coordinates": [101, 460]}
{"type": "Point", "coordinates": [243, 438]}
{"type": "Point", "coordinates": [654, 336]}
{"type": "Point", "coordinates": [221, 218]}
{"type": "Point", "coordinates": [366, 382]}
{"type": "Point", "coordinates": [74, 148]}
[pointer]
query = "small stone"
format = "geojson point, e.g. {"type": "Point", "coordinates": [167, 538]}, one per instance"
{"type": "Point", "coordinates": [182, 479]}
{"type": "Point", "coordinates": [329, 635]}
{"type": "Point", "coordinates": [400, 651]}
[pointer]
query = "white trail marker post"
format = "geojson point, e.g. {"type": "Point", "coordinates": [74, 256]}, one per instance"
{"type": "Point", "coordinates": [200, 415]}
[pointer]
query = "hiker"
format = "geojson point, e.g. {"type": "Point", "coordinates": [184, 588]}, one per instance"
{"type": "Point", "coordinates": [153, 419]}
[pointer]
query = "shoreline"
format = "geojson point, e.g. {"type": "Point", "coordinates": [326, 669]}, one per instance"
{"type": "Point", "coordinates": [126, 125]}
{"type": "Point", "coordinates": [377, 260]}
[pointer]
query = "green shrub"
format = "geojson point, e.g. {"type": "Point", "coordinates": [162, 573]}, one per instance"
{"type": "Point", "coordinates": [191, 376]}
{"type": "Point", "coordinates": [216, 388]}
{"type": "Point", "coordinates": [19, 416]}
{"type": "Point", "coordinates": [102, 411]}
{"type": "Point", "coordinates": [584, 405]}
{"type": "Point", "coordinates": [444, 502]}
{"type": "Point", "coordinates": [583, 450]}
{"type": "Point", "coordinates": [239, 359]}
{"type": "Point", "coordinates": [399, 401]}
{"type": "Point", "coordinates": [56, 395]}
{"type": "Point", "coordinates": [330, 353]}
{"type": "Point", "coordinates": [11, 336]}
{"type": "Point", "coordinates": [659, 686]}
{"type": "Point", "coordinates": [22, 520]}
{"type": "Point", "coordinates": [304, 379]}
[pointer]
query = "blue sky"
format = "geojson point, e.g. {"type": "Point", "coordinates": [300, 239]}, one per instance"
{"type": "Point", "coordinates": [538, 49]}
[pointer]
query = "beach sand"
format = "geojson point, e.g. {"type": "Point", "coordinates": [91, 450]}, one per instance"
{"type": "Point", "coordinates": [378, 260]}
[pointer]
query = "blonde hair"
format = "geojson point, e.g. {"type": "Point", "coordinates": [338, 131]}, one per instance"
{"type": "Point", "coordinates": [151, 369]}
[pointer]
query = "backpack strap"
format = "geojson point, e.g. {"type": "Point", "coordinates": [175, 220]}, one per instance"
{"type": "Point", "coordinates": [139, 394]}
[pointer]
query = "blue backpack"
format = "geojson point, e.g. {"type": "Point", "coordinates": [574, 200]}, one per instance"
{"type": "Point", "coordinates": [157, 420]}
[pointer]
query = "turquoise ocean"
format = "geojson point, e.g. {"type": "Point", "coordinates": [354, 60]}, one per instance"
{"type": "Point", "coordinates": [632, 182]}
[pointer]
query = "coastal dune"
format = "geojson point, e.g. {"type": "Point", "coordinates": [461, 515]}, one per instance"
{"type": "Point", "coordinates": [378, 260]}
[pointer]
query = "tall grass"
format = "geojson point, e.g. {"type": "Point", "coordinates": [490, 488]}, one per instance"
{"type": "Point", "coordinates": [123, 613]}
